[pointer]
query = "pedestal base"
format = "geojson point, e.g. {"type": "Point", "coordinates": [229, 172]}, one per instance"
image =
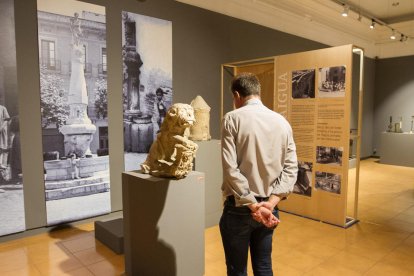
{"type": "Point", "coordinates": [163, 224]}
{"type": "Point", "coordinates": [111, 233]}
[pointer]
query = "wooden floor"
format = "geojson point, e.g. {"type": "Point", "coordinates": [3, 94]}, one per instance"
{"type": "Point", "coordinates": [382, 243]}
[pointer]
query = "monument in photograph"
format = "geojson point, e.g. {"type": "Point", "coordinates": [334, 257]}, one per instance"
{"type": "Point", "coordinates": [138, 125]}
{"type": "Point", "coordinates": [78, 129]}
{"type": "Point", "coordinates": [74, 110]}
{"type": "Point", "coordinates": [147, 82]}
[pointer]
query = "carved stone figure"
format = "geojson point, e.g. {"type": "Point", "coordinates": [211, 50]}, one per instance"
{"type": "Point", "coordinates": [200, 131]}
{"type": "Point", "coordinates": [75, 27]}
{"type": "Point", "coordinates": [172, 153]}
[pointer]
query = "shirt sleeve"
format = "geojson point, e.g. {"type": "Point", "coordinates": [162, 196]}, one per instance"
{"type": "Point", "coordinates": [233, 178]}
{"type": "Point", "coordinates": [287, 179]}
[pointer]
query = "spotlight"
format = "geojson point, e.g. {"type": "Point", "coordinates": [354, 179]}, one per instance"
{"type": "Point", "coordinates": [345, 11]}
{"type": "Point", "coordinates": [372, 26]}
{"type": "Point", "coordinates": [392, 35]}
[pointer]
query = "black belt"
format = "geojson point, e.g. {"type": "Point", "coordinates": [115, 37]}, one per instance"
{"type": "Point", "coordinates": [258, 199]}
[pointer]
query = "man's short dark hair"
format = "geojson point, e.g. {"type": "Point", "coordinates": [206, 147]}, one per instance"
{"type": "Point", "coordinates": [246, 84]}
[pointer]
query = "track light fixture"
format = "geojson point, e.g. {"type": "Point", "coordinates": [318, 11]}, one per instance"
{"type": "Point", "coordinates": [347, 6]}
{"type": "Point", "coordinates": [345, 11]}
{"type": "Point", "coordinates": [393, 37]}
{"type": "Point", "coordinates": [403, 38]}
{"type": "Point", "coordinates": [372, 26]}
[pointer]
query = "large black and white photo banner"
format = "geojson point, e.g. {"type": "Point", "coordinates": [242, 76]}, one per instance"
{"type": "Point", "coordinates": [12, 214]}
{"type": "Point", "coordinates": [147, 82]}
{"type": "Point", "coordinates": [73, 73]}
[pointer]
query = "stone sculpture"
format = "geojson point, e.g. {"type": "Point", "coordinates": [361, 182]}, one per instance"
{"type": "Point", "coordinates": [200, 131]}
{"type": "Point", "coordinates": [172, 153]}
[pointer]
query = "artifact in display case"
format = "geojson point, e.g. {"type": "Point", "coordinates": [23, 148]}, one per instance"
{"type": "Point", "coordinates": [398, 126]}
{"type": "Point", "coordinates": [172, 153]}
{"type": "Point", "coordinates": [390, 126]}
{"type": "Point", "coordinates": [200, 130]}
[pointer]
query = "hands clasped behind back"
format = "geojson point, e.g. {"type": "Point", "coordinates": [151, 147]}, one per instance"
{"type": "Point", "coordinates": [263, 212]}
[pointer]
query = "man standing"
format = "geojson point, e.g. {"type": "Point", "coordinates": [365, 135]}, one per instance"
{"type": "Point", "coordinates": [4, 136]}
{"type": "Point", "coordinates": [161, 106]}
{"type": "Point", "coordinates": [259, 169]}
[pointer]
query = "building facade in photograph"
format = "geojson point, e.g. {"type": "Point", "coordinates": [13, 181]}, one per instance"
{"type": "Point", "coordinates": [55, 40]}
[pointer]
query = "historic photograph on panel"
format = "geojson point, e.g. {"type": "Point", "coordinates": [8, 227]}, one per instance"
{"type": "Point", "coordinates": [329, 182]}
{"type": "Point", "coordinates": [147, 82]}
{"type": "Point", "coordinates": [303, 84]}
{"type": "Point", "coordinates": [73, 73]}
{"type": "Point", "coordinates": [331, 82]}
{"type": "Point", "coordinates": [12, 217]}
{"type": "Point", "coordinates": [329, 155]}
{"type": "Point", "coordinates": [303, 185]}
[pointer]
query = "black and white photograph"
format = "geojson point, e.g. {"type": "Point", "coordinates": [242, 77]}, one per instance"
{"type": "Point", "coordinates": [329, 182]}
{"type": "Point", "coordinates": [329, 155]}
{"type": "Point", "coordinates": [73, 101]}
{"type": "Point", "coordinates": [331, 82]}
{"type": "Point", "coordinates": [147, 82]}
{"type": "Point", "coordinates": [303, 185]}
{"type": "Point", "coordinates": [303, 84]}
{"type": "Point", "coordinates": [12, 214]}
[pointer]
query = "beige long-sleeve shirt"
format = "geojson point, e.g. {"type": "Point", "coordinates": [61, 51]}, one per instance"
{"type": "Point", "coordinates": [258, 153]}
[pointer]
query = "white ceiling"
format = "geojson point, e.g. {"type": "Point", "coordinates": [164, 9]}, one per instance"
{"type": "Point", "coordinates": [320, 20]}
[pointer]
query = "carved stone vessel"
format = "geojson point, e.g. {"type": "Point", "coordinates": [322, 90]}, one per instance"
{"type": "Point", "coordinates": [172, 153]}
{"type": "Point", "coordinates": [200, 131]}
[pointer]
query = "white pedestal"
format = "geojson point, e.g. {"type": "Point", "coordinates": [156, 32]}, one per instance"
{"type": "Point", "coordinates": [208, 160]}
{"type": "Point", "coordinates": [397, 149]}
{"type": "Point", "coordinates": [163, 224]}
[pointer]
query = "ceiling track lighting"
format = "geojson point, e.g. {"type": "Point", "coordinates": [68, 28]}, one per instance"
{"type": "Point", "coordinates": [403, 38]}
{"type": "Point", "coordinates": [372, 26]}
{"type": "Point", "coordinates": [345, 11]}
{"type": "Point", "coordinates": [347, 7]}
{"type": "Point", "coordinates": [392, 36]}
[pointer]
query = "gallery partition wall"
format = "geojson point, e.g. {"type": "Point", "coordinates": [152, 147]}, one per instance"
{"type": "Point", "coordinates": [313, 91]}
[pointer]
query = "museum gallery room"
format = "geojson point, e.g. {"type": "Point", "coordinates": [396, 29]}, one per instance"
{"type": "Point", "coordinates": [111, 133]}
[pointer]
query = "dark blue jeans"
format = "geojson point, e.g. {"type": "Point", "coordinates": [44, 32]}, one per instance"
{"type": "Point", "coordinates": [239, 231]}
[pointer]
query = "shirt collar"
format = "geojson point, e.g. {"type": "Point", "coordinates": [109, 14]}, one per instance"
{"type": "Point", "coordinates": [252, 102]}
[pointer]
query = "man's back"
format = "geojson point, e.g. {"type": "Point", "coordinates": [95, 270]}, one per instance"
{"type": "Point", "coordinates": [261, 140]}
{"type": "Point", "coordinates": [259, 169]}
